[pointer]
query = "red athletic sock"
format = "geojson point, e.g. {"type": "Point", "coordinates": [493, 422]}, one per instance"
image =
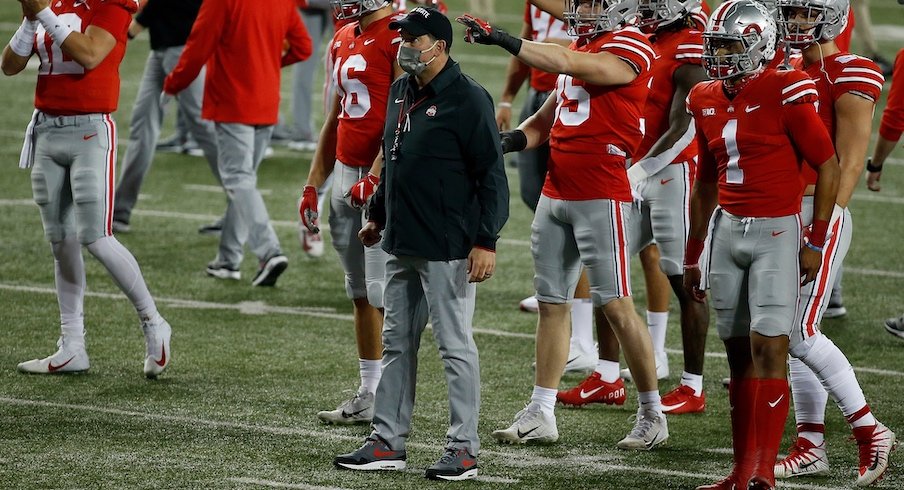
{"type": "Point", "coordinates": [772, 402]}
{"type": "Point", "coordinates": [742, 399]}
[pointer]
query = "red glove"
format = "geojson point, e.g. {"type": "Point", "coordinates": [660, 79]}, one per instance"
{"type": "Point", "coordinates": [360, 192]}
{"type": "Point", "coordinates": [307, 209]}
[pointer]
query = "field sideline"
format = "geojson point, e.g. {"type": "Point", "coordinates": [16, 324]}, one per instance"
{"type": "Point", "coordinates": [251, 367]}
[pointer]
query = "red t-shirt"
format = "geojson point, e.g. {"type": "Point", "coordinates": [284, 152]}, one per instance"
{"type": "Point", "coordinates": [597, 127]}
{"type": "Point", "coordinates": [543, 28]}
{"type": "Point", "coordinates": [242, 44]}
{"type": "Point", "coordinates": [66, 87]}
{"type": "Point", "coordinates": [754, 144]}
{"type": "Point", "coordinates": [675, 48]}
{"type": "Point", "coordinates": [847, 73]}
{"type": "Point", "coordinates": [362, 74]}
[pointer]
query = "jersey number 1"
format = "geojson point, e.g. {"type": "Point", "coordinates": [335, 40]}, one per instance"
{"type": "Point", "coordinates": [734, 174]}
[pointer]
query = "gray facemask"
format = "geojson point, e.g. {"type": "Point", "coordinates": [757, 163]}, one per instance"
{"type": "Point", "coordinates": [410, 59]}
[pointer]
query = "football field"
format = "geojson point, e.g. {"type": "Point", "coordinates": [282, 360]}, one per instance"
{"type": "Point", "coordinates": [252, 366]}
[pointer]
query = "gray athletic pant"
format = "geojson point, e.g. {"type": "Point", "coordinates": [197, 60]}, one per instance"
{"type": "Point", "coordinates": [532, 163]}
{"type": "Point", "coordinates": [320, 25]}
{"type": "Point", "coordinates": [240, 149]}
{"type": "Point", "coordinates": [144, 129]}
{"type": "Point", "coordinates": [418, 290]}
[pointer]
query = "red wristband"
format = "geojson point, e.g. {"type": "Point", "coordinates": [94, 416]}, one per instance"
{"type": "Point", "coordinates": [693, 251]}
{"type": "Point", "coordinates": [818, 232]}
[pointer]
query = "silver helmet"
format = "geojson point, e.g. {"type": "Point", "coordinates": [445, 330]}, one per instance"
{"type": "Point", "coordinates": [352, 9]}
{"type": "Point", "coordinates": [660, 13]}
{"type": "Point", "coordinates": [592, 17]}
{"type": "Point", "coordinates": [827, 18]}
{"type": "Point", "coordinates": [738, 21]}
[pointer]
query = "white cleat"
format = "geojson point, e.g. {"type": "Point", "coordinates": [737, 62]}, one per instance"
{"type": "Point", "coordinates": [70, 357]}
{"type": "Point", "coordinates": [580, 361]}
{"type": "Point", "coordinates": [358, 409]}
{"type": "Point", "coordinates": [531, 425]}
{"type": "Point", "coordinates": [529, 304]}
{"type": "Point", "coordinates": [650, 430]}
{"type": "Point", "coordinates": [662, 367]}
{"type": "Point", "coordinates": [157, 333]}
{"type": "Point", "coordinates": [804, 458]}
{"type": "Point", "coordinates": [874, 453]}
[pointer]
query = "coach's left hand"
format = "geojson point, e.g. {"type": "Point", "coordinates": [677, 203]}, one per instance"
{"type": "Point", "coordinates": [481, 264]}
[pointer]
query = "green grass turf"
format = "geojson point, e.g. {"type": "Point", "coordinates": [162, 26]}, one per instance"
{"type": "Point", "coordinates": [237, 407]}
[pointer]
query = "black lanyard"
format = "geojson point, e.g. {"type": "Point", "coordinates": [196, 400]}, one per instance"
{"type": "Point", "coordinates": [403, 119]}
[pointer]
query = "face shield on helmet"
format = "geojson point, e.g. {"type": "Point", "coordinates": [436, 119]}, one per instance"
{"type": "Point", "coordinates": [660, 13]}
{"type": "Point", "coordinates": [740, 37]}
{"type": "Point", "coordinates": [805, 22]}
{"type": "Point", "coordinates": [352, 9]}
{"type": "Point", "coordinates": [591, 17]}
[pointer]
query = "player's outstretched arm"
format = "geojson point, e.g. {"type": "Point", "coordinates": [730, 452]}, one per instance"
{"type": "Point", "coordinates": [325, 155]}
{"type": "Point", "coordinates": [595, 68]}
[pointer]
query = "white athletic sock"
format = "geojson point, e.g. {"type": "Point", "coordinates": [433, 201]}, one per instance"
{"type": "Point", "coordinates": [124, 270]}
{"type": "Point", "coordinates": [69, 274]}
{"type": "Point", "coordinates": [809, 400]}
{"type": "Point", "coordinates": [657, 322]}
{"type": "Point", "coordinates": [371, 371]}
{"type": "Point", "coordinates": [545, 398]}
{"type": "Point", "coordinates": [608, 370]}
{"type": "Point", "coordinates": [837, 376]}
{"type": "Point", "coordinates": [582, 324]}
{"type": "Point", "coordinates": [694, 381]}
{"type": "Point", "coordinates": [650, 400]}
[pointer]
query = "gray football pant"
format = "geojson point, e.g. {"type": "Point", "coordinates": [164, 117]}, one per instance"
{"type": "Point", "coordinates": [320, 25]}
{"type": "Point", "coordinates": [240, 151]}
{"type": "Point", "coordinates": [418, 290]}
{"type": "Point", "coordinates": [144, 128]}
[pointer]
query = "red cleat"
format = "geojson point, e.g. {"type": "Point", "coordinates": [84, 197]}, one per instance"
{"type": "Point", "coordinates": [727, 484]}
{"type": "Point", "coordinates": [683, 400]}
{"type": "Point", "coordinates": [594, 390]}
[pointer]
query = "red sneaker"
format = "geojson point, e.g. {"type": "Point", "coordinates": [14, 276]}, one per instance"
{"type": "Point", "coordinates": [683, 400]}
{"type": "Point", "coordinates": [594, 390]}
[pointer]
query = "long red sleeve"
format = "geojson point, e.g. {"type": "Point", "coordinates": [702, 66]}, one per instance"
{"type": "Point", "coordinates": [242, 44]}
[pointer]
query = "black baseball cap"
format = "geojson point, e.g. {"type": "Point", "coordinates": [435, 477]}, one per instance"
{"type": "Point", "coordinates": [425, 20]}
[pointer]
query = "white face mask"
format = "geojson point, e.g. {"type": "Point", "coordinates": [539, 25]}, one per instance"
{"type": "Point", "coordinates": [410, 59]}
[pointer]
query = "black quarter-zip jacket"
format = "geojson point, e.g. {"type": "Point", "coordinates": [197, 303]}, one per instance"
{"type": "Point", "coordinates": [443, 188]}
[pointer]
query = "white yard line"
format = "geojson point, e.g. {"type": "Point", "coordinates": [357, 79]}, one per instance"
{"type": "Point", "coordinates": [261, 308]}
{"type": "Point", "coordinates": [276, 484]}
{"type": "Point", "coordinates": [217, 189]}
{"type": "Point", "coordinates": [600, 461]}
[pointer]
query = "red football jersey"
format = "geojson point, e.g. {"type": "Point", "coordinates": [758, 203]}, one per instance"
{"type": "Point", "coordinates": [544, 27]}
{"type": "Point", "coordinates": [675, 48]}
{"type": "Point", "coordinates": [66, 87]}
{"type": "Point", "coordinates": [839, 74]}
{"type": "Point", "coordinates": [754, 144]}
{"type": "Point", "coordinates": [362, 73]}
{"type": "Point", "coordinates": [596, 128]}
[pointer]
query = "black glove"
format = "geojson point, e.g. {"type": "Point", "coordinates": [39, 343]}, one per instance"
{"type": "Point", "coordinates": [514, 140]}
{"type": "Point", "coordinates": [481, 32]}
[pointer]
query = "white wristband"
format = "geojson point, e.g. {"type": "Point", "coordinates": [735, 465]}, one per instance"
{"type": "Point", "coordinates": [23, 41]}
{"type": "Point", "coordinates": [53, 25]}
{"type": "Point", "coordinates": [506, 105]}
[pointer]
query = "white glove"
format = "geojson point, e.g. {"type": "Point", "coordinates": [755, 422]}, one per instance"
{"type": "Point", "coordinates": [165, 98]}
{"type": "Point", "coordinates": [636, 175]}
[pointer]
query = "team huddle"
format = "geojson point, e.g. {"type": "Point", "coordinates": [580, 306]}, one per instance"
{"type": "Point", "coordinates": [721, 148]}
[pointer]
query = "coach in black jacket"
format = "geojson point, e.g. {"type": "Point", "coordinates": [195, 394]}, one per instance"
{"type": "Point", "coordinates": [442, 200]}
